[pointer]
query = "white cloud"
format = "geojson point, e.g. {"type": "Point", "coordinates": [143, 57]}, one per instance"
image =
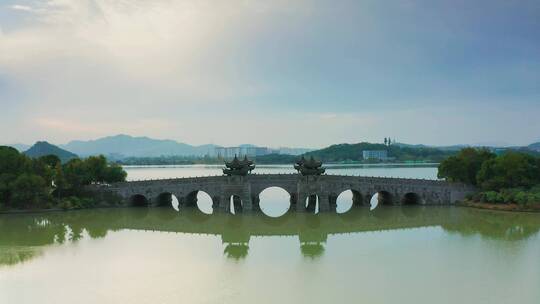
{"type": "Point", "coordinates": [18, 7]}
{"type": "Point", "coordinates": [178, 47]}
{"type": "Point", "coordinates": [187, 70]}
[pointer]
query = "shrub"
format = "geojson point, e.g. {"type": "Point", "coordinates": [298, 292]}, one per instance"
{"type": "Point", "coordinates": [493, 197]}
{"type": "Point", "coordinates": [522, 198]}
{"type": "Point", "coordinates": [66, 204]}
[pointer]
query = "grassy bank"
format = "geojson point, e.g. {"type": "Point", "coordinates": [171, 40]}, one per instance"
{"type": "Point", "coordinates": [501, 207]}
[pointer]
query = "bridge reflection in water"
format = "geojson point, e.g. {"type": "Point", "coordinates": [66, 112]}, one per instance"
{"type": "Point", "coordinates": [26, 236]}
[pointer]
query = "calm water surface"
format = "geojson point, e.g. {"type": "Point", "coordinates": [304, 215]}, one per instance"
{"type": "Point", "coordinates": [389, 255]}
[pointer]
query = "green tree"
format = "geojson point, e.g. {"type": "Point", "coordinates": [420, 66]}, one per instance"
{"type": "Point", "coordinates": [29, 191]}
{"type": "Point", "coordinates": [114, 173]}
{"type": "Point", "coordinates": [12, 162]}
{"type": "Point", "coordinates": [510, 170]}
{"type": "Point", "coordinates": [77, 175]}
{"type": "Point", "coordinates": [464, 166]}
{"type": "Point", "coordinates": [61, 184]}
{"type": "Point", "coordinates": [96, 167]}
{"type": "Point", "coordinates": [50, 160]}
{"type": "Point", "coordinates": [42, 169]}
{"type": "Point", "coordinates": [5, 187]}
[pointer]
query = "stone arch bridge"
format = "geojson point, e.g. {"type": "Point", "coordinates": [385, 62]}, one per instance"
{"type": "Point", "coordinates": [323, 189]}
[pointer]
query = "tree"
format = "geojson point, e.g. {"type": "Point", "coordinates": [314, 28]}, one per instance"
{"type": "Point", "coordinates": [96, 167]}
{"type": "Point", "coordinates": [509, 170]}
{"type": "Point", "coordinates": [464, 166]}
{"type": "Point", "coordinates": [40, 168]}
{"type": "Point", "coordinates": [27, 182]}
{"type": "Point", "coordinates": [114, 173]}
{"type": "Point", "coordinates": [50, 160]}
{"type": "Point", "coordinates": [385, 141]}
{"type": "Point", "coordinates": [29, 190]}
{"type": "Point", "coordinates": [5, 187]}
{"type": "Point", "coordinates": [12, 162]}
{"type": "Point", "coordinates": [61, 184]}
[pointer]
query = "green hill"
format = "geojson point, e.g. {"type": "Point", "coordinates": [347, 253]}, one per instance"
{"type": "Point", "coordinates": [43, 148]}
{"type": "Point", "coordinates": [353, 152]}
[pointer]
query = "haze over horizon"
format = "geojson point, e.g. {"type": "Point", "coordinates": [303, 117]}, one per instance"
{"type": "Point", "coordinates": [302, 74]}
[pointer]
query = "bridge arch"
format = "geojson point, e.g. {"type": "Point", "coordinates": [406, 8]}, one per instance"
{"type": "Point", "coordinates": [139, 200]}
{"type": "Point", "coordinates": [167, 199]}
{"type": "Point", "coordinates": [312, 203]}
{"type": "Point", "coordinates": [274, 201]}
{"type": "Point", "coordinates": [347, 199]}
{"type": "Point", "coordinates": [382, 198]}
{"type": "Point", "coordinates": [412, 198]}
{"type": "Point", "coordinates": [200, 199]}
{"type": "Point", "coordinates": [236, 204]}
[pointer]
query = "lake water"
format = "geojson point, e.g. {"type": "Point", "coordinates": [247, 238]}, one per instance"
{"type": "Point", "coordinates": [409, 254]}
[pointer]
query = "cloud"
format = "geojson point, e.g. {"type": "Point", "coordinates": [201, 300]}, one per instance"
{"type": "Point", "coordinates": [18, 7]}
{"type": "Point", "coordinates": [161, 44]}
{"type": "Point", "coordinates": [242, 71]}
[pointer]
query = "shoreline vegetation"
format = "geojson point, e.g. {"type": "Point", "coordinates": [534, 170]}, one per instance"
{"type": "Point", "coordinates": [510, 181]}
{"type": "Point", "coordinates": [45, 182]}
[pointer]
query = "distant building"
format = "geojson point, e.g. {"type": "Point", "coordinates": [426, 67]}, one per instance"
{"type": "Point", "coordinates": [375, 154]}
{"type": "Point", "coordinates": [250, 151]}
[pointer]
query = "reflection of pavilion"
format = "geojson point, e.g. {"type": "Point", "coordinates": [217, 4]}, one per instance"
{"type": "Point", "coordinates": [24, 237]}
{"type": "Point", "coordinates": [311, 243]}
{"type": "Point", "coordinates": [237, 244]}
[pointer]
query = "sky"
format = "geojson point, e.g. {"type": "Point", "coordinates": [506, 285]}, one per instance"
{"type": "Point", "coordinates": [271, 73]}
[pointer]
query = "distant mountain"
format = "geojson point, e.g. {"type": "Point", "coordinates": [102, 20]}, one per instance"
{"type": "Point", "coordinates": [20, 147]}
{"type": "Point", "coordinates": [42, 148]}
{"type": "Point", "coordinates": [294, 151]}
{"type": "Point", "coordinates": [535, 147]}
{"type": "Point", "coordinates": [121, 146]}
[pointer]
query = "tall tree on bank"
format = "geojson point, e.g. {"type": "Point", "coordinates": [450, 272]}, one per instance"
{"type": "Point", "coordinates": [464, 166]}
{"type": "Point", "coordinates": [510, 170]}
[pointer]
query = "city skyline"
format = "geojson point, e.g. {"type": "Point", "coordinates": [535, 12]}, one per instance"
{"type": "Point", "coordinates": [303, 74]}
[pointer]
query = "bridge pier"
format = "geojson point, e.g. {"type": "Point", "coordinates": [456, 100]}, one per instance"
{"type": "Point", "coordinates": [224, 204]}
{"type": "Point", "coordinates": [247, 204]}
{"type": "Point", "coordinates": [324, 203]}
{"type": "Point", "coordinates": [301, 203]}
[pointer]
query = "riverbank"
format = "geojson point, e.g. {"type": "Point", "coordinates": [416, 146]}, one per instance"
{"type": "Point", "coordinates": [56, 209]}
{"type": "Point", "coordinates": [500, 207]}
